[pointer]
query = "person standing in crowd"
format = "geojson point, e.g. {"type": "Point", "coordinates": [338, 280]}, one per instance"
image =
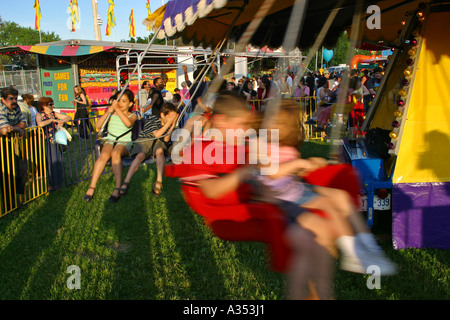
{"type": "Point", "coordinates": [284, 89]}
{"type": "Point", "coordinates": [310, 82]}
{"type": "Point", "coordinates": [11, 117]}
{"type": "Point", "coordinates": [11, 121]}
{"type": "Point", "coordinates": [365, 77]}
{"type": "Point", "coordinates": [143, 100]}
{"type": "Point", "coordinates": [265, 91]}
{"type": "Point", "coordinates": [50, 121]}
{"type": "Point", "coordinates": [81, 112]}
{"type": "Point", "coordinates": [25, 110]}
{"type": "Point", "coordinates": [157, 99]}
{"type": "Point", "coordinates": [302, 90]}
{"type": "Point", "coordinates": [372, 86]}
{"type": "Point", "coordinates": [184, 92]}
{"type": "Point", "coordinates": [29, 101]}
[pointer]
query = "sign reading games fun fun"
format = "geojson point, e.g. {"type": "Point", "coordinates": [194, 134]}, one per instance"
{"type": "Point", "coordinates": [57, 83]}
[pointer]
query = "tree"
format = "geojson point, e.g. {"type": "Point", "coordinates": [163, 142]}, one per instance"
{"type": "Point", "coordinates": [144, 40]}
{"type": "Point", "coordinates": [11, 34]}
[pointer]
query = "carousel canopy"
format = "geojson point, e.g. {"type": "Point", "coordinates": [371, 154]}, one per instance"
{"type": "Point", "coordinates": [207, 22]}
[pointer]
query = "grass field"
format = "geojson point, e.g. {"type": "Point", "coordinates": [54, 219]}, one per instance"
{"type": "Point", "coordinates": [148, 248]}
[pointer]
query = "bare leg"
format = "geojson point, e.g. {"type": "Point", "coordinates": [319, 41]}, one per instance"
{"type": "Point", "coordinates": [140, 157]}
{"type": "Point", "coordinates": [322, 273]}
{"type": "Point", "coordinates": [118, 152]}
{"type": "Point", "coordinates": [99, 166]}
{"type": "Point", "coordinates": [342, 202]}
{"type": "Point", "coordinates": [311, 273]}
{"type": "Point", "coordinates": [325, 230]}
{"type": "Point", "coordinates": [300, 241]}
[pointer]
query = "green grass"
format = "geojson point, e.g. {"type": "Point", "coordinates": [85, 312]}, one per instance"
{"type": "Point", "coordinates": [158, 249]}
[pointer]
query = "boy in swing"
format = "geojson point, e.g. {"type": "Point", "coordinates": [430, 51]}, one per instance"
{"type": "Point", "coordinates": [313, 238]}
{"type": "Point", "coordinates": [153, 141]}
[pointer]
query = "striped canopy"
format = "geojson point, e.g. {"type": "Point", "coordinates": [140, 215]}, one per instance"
{"type": "Point", "coordinates": [65, 51]}
{"type": "Point", "coordinates": [207, 22]}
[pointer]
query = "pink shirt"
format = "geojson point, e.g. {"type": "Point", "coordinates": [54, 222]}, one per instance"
{"type": "Point", "coordinates": [287, 188]}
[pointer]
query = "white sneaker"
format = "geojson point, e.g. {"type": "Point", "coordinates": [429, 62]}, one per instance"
{"type": "Point", "coordinates": [367, 255]}
{"type": "Point", "coordinates": [380, 259]}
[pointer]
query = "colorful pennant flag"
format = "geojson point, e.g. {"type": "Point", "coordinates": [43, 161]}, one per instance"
{"type": "Point", "coordinates": [149, 13]}
{"type": "Point", "coordinates": [37, 19]}
{"type": "Point", "coordinates": [131, 25]}
{"type": "Point", "coordinates": [111, 19]}
{"type": "Point", "coordinates": [74, 13]}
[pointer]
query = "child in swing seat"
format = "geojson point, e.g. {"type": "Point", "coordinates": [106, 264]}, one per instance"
{"type": "Point", "coordinates": [359, 251]}
{"type": "Point", "coordinates": [222, 184]}
{"type": "Point", "coordinates": [117, 143]}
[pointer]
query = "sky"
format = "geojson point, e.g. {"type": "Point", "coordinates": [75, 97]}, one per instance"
{"type": "Point", "coordinates": [56, 17]}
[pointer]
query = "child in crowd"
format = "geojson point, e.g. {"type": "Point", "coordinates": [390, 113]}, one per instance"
{"type": "Point", "coordinates": [117, 143]}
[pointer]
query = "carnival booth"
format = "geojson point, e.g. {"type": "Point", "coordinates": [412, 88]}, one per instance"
{"type": "Point", "coordinates": [410, 128]}
{"type": "Point", "coordinates": [97, 67]}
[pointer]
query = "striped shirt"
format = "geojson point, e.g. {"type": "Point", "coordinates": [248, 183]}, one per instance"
{"type": "Point", "coordinates": [10, 117]}
{"type": "Point", "coordinates": [151, 125]}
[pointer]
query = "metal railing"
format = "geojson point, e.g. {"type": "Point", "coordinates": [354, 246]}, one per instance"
{"type": "Point", "coordinates": [35, 164]}
{"type": "Point", "coordinates": [308, 106]}
{"type": "Point", "coordinates": [24, 172]}
{"type": "Point", "coordinates": [75, 161]}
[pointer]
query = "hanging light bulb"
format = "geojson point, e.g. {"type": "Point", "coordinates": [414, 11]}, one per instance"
{"type": "Point", "coordinates": [402, 92]}
{"type": "Point", "coordinates": [421, 16]}
{"type": "Point", "coordinates": [407, 73]}
{"type": "Point", "coordinates": [410, 62]}
{"type": "Point", "coordinates": [393, 135]}
{"type": "Point", "coordinates": [395, 124]}
{"type": "Point", "coordinates": [391, 146]}
{"type": "Point", "coordinates": [412, 52]}
{"type": "Point", "coordinates": [400, 103]}
{"type": "Point", "coordinates": [405, 82]}
{"type": "Point", "coordinates": [398, 114]}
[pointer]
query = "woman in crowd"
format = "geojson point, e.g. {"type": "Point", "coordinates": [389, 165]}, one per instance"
{"type": "Point", "coordinates": [50, 121]}
{"type": "Point", "coordinates": [81, 111]}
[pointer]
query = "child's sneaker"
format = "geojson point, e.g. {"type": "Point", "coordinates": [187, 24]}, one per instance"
{"type": "Point", "coordinates": [367, 241]}
{"type": "Point", "coordinates": [364, 255]}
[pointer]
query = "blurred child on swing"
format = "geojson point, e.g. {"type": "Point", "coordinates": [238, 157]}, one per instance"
{"type": "Point", "coordinates": [352, 237]}
{"type": "Point", "coordinates": [314, 238]}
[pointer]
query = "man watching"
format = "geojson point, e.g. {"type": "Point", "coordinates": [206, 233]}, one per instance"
{"type": "Point", "coordinates": [11, 117]}
{"type": "Point", "coordinates": [157, 97]}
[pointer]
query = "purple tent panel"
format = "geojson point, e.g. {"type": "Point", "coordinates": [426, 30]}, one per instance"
{"type": "Point", "coordinates": [421, 215]}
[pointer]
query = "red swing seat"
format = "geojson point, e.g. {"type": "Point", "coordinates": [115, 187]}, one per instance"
{"type": "Point", "coordinates": [236, 218]}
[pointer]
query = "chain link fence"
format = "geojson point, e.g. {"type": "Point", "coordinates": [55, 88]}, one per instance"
{"type": "Point", "coordinates": [25, 81]}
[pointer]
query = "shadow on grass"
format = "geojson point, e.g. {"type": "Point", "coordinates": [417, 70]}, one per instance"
{"type": "Point", "coordinates": [28, 235]}
{"type": "Point", "coordinates": [194, 243]}
{"type": "Point", "coordinates": [133, 271]}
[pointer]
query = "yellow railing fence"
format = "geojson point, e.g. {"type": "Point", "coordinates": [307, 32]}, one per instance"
{"type": "Point", "coordinates": [308, 106]}
{"type": "Point", "coordinates": [23, 169]}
